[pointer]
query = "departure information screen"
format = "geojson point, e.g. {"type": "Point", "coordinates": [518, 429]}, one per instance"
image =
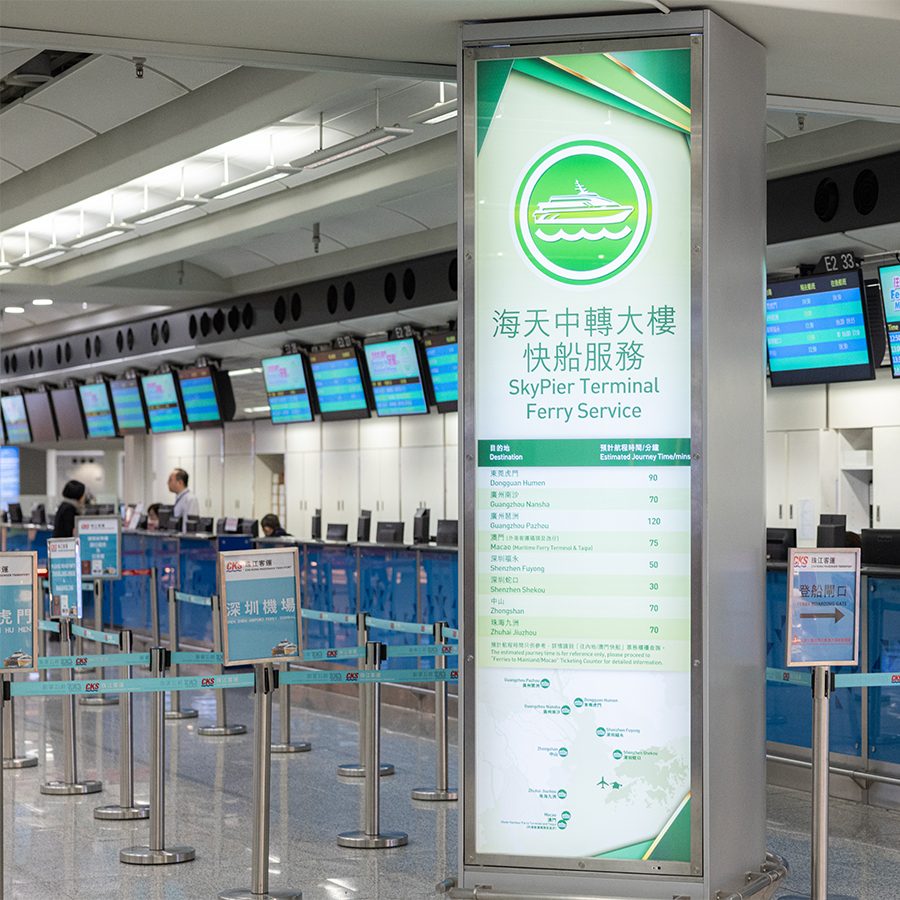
{"type": "Point", "coordinates": [442, 353]}
{"type": "Point", "coordinates": [890, 294]}
{"type": "Point", "coordinates": [339, 385]}
{"type": "Point", "coordinates": [17, 430]}
{"type": "Point", "coordinates": [396, 378]}
{"type": "Point", "coordinates": [162, 403]}
{"type": "Point", "coordinates": [199, 395]}
{"type": "Point", "coordinates": [129, 407]}
{"type": "Point", "coordinates": [816, 330]}
{"type": "Point", "coordinates": [97, 412]}
{"type": "Point", "coordinates": [287, 389]}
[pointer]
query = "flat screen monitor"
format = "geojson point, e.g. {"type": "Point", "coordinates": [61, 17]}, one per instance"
{"type": "Point", "coordinates": [69, 418]}
{"type": "Point", "coordinates": [833, 519]}
{"type": "Point", "coordinates": [207, 396]}
{"type": "Point", "coordinates": [129, 406]}
{"type": "Point", "coordinates": [288, 389]}
{"type": "Point", "coordinates": [15, 513]}
{"type": "Point", "coordinates": [40, 416]}
{"type": "Point", "coordinates": [447, 532]}
{"type": "Point", "coordinates": [15, 417]}
{"type": "Point", "coordinates": [338, 378]}
{"type": "Point", "coordinates": [396, 377]}
{"type": "Point", "coordinates": [364, 526]}
{"type": "Point", "coordinates": [98, 414]}
{"type": "Point", "coordinates": [38, 514]}
{"type": "Point", "coordinates": [831, 535]}
{"type": "Point", "coordinates": [816, 330]}
{"type": "Point", "coordinates": [422, 526]}
{"type": "Point", "coordinates": [336, 532]}
{"type": "Point", "coordinates": [778, 542]}
{"type": "Point", "coordinates": [880, 546]}
{"type": "Point", "coordinates": [442, 353]}
{"type": "Point", "coordinates": [316, 525]}
{"type": "Point", "coordinates": [889, 277]}
{"type": "Point", "coordinates": [164, 513]}
{"type": "Point", "coordinates": [249, 527]}
{"type": "Point", "coordinates": [389, 533]}
{"type": "Point", "coordinates": [163, 405]}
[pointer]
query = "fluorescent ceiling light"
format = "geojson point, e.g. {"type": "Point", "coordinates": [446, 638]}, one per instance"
{"type": "Point", "coordinates": [182, 204]}
{"type": "Point", "coordinates": [235, 373]}
{"type": "Point", "coordinates": [249, 182]}
{"type": "Point", "coordinates": [436, 114]}
{"type": "Point", "coordinates": [95, 237]}
{"type": "Point", "coordinates": [42, 301]}
{"type": "Point", "coordinates": [50, 253]}
{"type": "Point", "coordinates": [5, 268]}
{"type": "Point", "coordinates": [373, 138]}
{"type": "Point", "coordinates": [13, 309]}
{"type": "Point", "coordinates": [256, 409]}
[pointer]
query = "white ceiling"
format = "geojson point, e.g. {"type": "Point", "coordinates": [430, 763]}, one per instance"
{"type": "Point", "coordinates": [217, 69]}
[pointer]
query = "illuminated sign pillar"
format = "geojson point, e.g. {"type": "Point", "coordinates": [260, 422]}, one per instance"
{"type": "Point", "coordinates": [613, 229]}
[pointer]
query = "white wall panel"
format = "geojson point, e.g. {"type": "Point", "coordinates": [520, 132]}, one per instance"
{"type": "Point", "coordinates": [423, 483]}
{"type": "Point", "coordinates": [303, 491]}
{"type": "Point", "coordinates": [451, 428]}
{"type": "Point", "coordinates": [239, 486]}
{"type": "Point", "coordinates": [269, 438]}
{"type": "Point", "coordinates": [303, 437]}
{"type": "Point", "coordinates": [421, 431]}
{"type": "Point", "coordinates": [340, 435]}
{"type": "Point", "coordinates": [451, 490]}
{"type": "Point", "coordinates": [239, 439]}
{"type": "Point", "coordinates": [340, 486]}
{"type": "Point", "coordinates": [864, 404]}
{"type": "Point", "coordinates": [796, 408]}
{"type": "Point", "coordinates": [379, 484]}
{"type": "Point", "coordinates": [378, 433]}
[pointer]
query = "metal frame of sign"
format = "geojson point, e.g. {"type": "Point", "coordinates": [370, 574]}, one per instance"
{"type": "Point", "coordinates": [35, 643]}
{"type": "Point", "coordinates": [118, 521]}
{"type": "Point", "coordinates": [224, 556]}
{"type": "Point", "coordinates": [821, 551]}
{"type": "Point", "coordinates": [78, 574]}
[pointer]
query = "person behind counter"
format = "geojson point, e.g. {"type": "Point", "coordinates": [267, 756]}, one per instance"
{"type": "Point", "coordinates": [74, 502]}
{"type": "Point", "coordinates": [271, 526]}
{"type": "Point", "coordinates": [152, 517]}
{"type": "Point", "coordinates": [186, 504]}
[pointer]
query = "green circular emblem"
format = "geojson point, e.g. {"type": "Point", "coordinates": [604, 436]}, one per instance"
{"type": "Point", "coordinates": [563, 751]}
{"type": "Point", "coordinates": [579, 702]}
{"type": "Point", "coordinates": [583, 211]}
{"type": "Point", "coordinates": [565, 710]}
{"type": "Point", "coordinates": [562, 824]}
{"type": "Point", "coordinates": [562, 793]}
{"type": "Point", "coordinates": [545, 682]}
{"type": "Point", "coordinates": [565, 815]}
{"type": "Point", "coordinates": [601, 732]}
{"type": "Point", "coordinates": [617, 754]}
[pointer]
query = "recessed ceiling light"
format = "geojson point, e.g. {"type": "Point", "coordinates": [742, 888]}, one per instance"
{"type": "Point", "coordinates": [50, 253]}
{"type": "Point", "coordinates": [42, 301]}
{"type": "Point", "coordinates": [374, 138]}
{"type": "Point", "coordinates": [95, 237]}
{"type": "Point", "coordinates": [13, 309]}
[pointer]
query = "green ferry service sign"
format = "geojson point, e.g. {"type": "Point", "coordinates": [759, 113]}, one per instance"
{"type": "Point", "coordinates": [583, 211]}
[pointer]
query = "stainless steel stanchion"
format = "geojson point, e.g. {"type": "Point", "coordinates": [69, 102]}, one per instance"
{"type": "Point", "coordinates": [11, 760]}
{"type": "Point", "coordinates": [441, 791]}
{"type": "Point", "coordinates": [262, 771]}
{"type": "Point", "coordinates": [156, 853]}
{"type": "Point", "coordinates": [154, 608]}
{"type": "Point", "coordinates": [175, 711]}
{"type": "Point", "coordinates": [99, 699]}
{"type": "Point", "coordinates": [221, 728]}
{"type": "Point", "coordinates": [3, 700]}
{"type": "Point", "coordinates": [285, 745]}
{"type": "Point", "coordinates": [371, 837]}
{"type": "Point", "coordinates": [45, 644]}
{"type": "Point", "coordinates": [126, 808]}
{"type": "Point", "coordinates": [70, 783]}
{"type": "Point", "coordinates": [358, 770]}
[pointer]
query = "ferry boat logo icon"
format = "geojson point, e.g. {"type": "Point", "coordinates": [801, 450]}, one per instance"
{"type": "Point", "coordinates": [583, 215]}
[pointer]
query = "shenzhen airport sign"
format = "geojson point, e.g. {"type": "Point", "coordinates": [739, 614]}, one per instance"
{"type": "Point", "coordinates": [579, 298]}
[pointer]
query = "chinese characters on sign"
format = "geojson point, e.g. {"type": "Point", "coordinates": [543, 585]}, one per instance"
{"type": "Point", "coordinates": [64, 569]}
{"type": "Point", "coordinates": [18, 612]}
{"type": "Point", "coordinates": [100, 539]}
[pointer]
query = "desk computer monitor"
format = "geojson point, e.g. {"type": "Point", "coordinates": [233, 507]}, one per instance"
{"type": "Point", "coordinates": [364, 526]}
{"type": "Point", "coordinates": [832, 530]}
{"type": "Point", "coordinates": [15, 513]}
{"type": "Point", "coordinates": [205, 524]}
{"type": "Point", "coordinates": [38, 515]}
{"type": "Point", "coordinates": [249, 527]}
{"type": "Point", "coordinates": [447, 532]}
{"type": "Point", "coordinates": [421, 526]}
{"type": "Point", "coordinates": [880, 546]}
{"type": "Point", "coordinates": [165, 516]}
{"type": "Point", "coordinates": [316, 529]}
{"type": "Point", "coordinates": [778, 542]}
{"type": "Point", "coordinates": [389, 533]}
{"type": "Point", "coordinates": [336, 531]}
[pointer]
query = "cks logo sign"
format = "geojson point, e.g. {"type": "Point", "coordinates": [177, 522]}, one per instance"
{"type": "Point", "coordinates": [583, 211]}
{"type": "Point", "coordinates": [331, 654]}
{"type": "Point", "coordinates": [80, 660]}
{"type": "Point", "coordinates": [234, 566]}
{"type": "Point", "coordinates": [207, 682]}
{"type": "Point", "coordinates": [353, 676]}
{"type": "Point", "coordinates": [895, 679]}
{"type": "Point", "coordinates": [91, 687]}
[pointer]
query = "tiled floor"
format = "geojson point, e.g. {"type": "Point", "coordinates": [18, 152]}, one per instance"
{"type": "Point", "coordinates": [56, 850]}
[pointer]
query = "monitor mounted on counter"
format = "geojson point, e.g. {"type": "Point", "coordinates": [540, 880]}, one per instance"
{"type": "Point", "coordinates": [816, 330]}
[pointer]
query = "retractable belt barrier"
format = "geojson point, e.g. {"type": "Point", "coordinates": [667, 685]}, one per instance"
{"type": "Point", "coordinates": [44, 625]}
{"type": "Point", "coordinates": [196, 599]}
{"type": "Point", "coordinates": [452, 634]}
{"type": "Point", "coordinates": [789, 677]}
{"type": "Point", "coordinates": [405, 627]}
{"type": "Point", "coordinates": [144, 572]}
{"type": "Point", "coordinates": [90, 662]}
{"type": "Point", "coordinates": [322, 616]}
{"type": "Point", "coordinates": [422, 650]}
{"type": "Point", "coordinates": [852, 680]}
{"type": "Point", "coordinates": [100, 637]}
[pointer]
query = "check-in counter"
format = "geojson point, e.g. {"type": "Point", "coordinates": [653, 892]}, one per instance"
{"type": "Point", "coordinates": [865, 722]}
{"type": "Point", "coordinates": [18, 537]}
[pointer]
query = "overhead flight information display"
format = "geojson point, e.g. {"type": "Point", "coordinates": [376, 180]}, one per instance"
{"type": "Point", "coordinates": [339, 385]}
{"type": "Point", "coordinates": [442, 353]}
{"type": "Point", "coordinates": [396, 377]}
{"type": "Point", "coordinates": [162, 403]}
{"type": "Point", "coordinates": [286, 386]}
{"type": "Point", "coordinates": [97, 410]}
{"type": "Point", "coordinates": [16, 419]}
{"type": "Point", "coordinates": [890, 295]}
{"type": "Point", "coordinates": [816, 330]}
{"type": "Point", "coordinates": [198, 394]}
{"type": "Point", "coordinates": [126, 395]}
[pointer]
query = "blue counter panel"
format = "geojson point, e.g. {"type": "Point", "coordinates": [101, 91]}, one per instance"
{"type": "Point", "coordinates": [27, 539]}
{"type": "Point", "coordinates": [789, 706]}
{"type": "Point", "coordinates": [884, 656]}
{"type": "Point", "coordinates": [439, 588]}
{"type": "Point", "coordinates": [329, 584]}
{"type": "Point", "coordinates": [387, 590]}
{"type": "Point", "coordinates": [131, 603]}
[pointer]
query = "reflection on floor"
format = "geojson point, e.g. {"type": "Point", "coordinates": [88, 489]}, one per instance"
{"type": "Point", "coordinates": [56, 850]}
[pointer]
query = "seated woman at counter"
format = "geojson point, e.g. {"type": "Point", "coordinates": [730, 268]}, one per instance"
{"type": "Point", "coordinates": [74, 502]}
{"type": "Point", "coordinates": [152, 517]}
{"type": "Point", "coordinates": [272, 527]}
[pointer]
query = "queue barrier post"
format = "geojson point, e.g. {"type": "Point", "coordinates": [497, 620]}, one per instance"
{"type": "Point", "coordinates": [4, 696]}
{"type": "Point", "coordinates": [221, 728]}
{"type": "Point", "coordinates": [11, 759]}
{"type": "Point", "coordinates": [99, 699]}
{"type": "Point", "coordinates": [441, 791]}
{"type": "Point", "coordinates": [154, 608]}
{"type": "Point", "coordinates": [358, 770]}
{"type": "Point", "coordinates": [285, 745]}
{"type": "Point", "coordinates": [371, 837]}
{"type": "Point", "coordinates": [175, 711]}
{"type": "Point", "coordinates": [126, 808]}
{"type": "Point", "coordinates": [156, 853]}
{"type": "Point", "coordinates": [265, 684]}
{"type": "Point", "coordinates": [70, 783]}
